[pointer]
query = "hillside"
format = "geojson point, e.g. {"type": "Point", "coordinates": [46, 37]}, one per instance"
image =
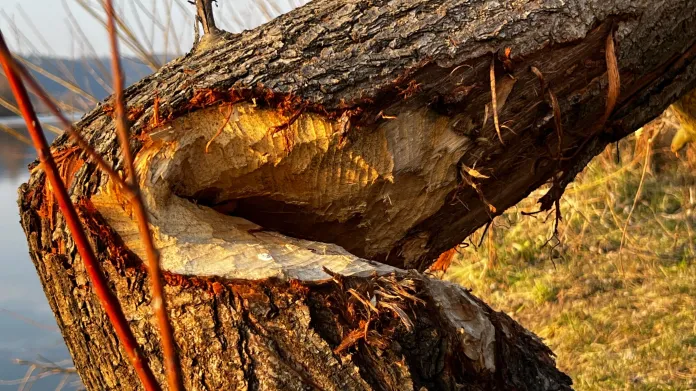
{"type": "Point", "coordinates": [86, 73]}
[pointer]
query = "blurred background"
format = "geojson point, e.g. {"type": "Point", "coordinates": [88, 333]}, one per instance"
{"type": "Point", "coordinates": [611, 288]}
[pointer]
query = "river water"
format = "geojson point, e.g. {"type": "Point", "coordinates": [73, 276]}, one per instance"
{"type": "Point", "coordinates": [28, 329]}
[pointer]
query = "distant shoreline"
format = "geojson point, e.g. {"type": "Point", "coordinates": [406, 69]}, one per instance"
{"type": "Point", "coordinates": [47, 118]}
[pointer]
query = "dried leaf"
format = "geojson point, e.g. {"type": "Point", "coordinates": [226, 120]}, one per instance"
{"type": "Point", "coordinates": [444, 260]}
{"type": "Point", "coordinates": [613, 75]}
{"type": "Point", "coordinates": [494, 101]}
{"type": "Point", "coordinates": [474, 173]}
{"type": "Point", "coordinates": [500, 91]}
{"type": "Point", "coordinates": [503, 89]}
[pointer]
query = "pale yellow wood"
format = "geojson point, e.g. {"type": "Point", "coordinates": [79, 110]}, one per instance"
{"type": "Point", "coordinates": [390, 175]}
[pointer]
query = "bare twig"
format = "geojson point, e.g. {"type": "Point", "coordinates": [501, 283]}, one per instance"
{"type": "Point", "coordinates": [127, 34]}
{"type": "Point", "coordinates": [648, 150]}
{"type": "Point", "coordinates": [106, 297]}
{"type": "Point", "coordinates": [67, 80]}
{"type": "Point", "coordinates": [9, 106]}
{"type": "Point", "coordinates": [29, 321]}
{"type": "Point", "coordinates": [15, 134]}
{"type": "Point", "coordinates": [83, 37]}
{"type": "Point", "coordinates": [69, 129]}
{"type": "Point", "coordinates": [65, 83]}
{"type": "Point", "coordinates": [492, 253]}
{"type": "Point", "coordinates": [59, 62]}
{"type": "Point", "coordinates": [153, 19]}
{"type": "Point", "coordinates": [159, 304]}
{"type": "Point", "coordinates": [27, 378]}
{"type": "Point", "coordinates": [167, 29]}
{"type": "Point", "coordinates": [262, 6]}
{"type": "Point", "coordinates": [45, 368]}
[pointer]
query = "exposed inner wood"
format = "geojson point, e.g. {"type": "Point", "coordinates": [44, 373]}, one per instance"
{"type": "Point", "coordinates": [307, 181]}
{"type": "Point", "coordinates": [244, 161]}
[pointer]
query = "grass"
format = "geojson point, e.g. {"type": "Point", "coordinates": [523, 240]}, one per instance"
{"type": "Point", "coordinates": [617, 320]}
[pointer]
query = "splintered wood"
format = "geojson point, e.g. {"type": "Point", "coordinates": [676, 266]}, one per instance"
{"type": "Point", "coordinates": [207, 162]}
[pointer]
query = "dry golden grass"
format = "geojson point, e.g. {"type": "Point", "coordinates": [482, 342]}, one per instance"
{"type": "Point", "coordinates": [618, 320]}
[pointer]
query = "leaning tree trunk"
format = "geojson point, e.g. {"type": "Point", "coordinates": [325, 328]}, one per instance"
{"type": "Point", "coordinates": [293, 172]}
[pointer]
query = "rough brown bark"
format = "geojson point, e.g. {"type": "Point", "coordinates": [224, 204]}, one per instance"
{"type": "Point", "coordinates": [356, 60]}
{"type": "Point", "coordinates": [355, 123]}
{"type": "Point", "coordinates": [279, 335]}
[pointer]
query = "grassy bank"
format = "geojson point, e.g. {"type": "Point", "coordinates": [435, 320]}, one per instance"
{"type": "Point", "coordinates": [618, 318]}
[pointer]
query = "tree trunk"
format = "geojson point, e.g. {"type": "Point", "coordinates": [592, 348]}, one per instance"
{"type": "Point", "coordinates": [292, 172]}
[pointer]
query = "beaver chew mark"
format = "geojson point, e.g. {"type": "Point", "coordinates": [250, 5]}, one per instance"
{"type": "Point", "coordinates": [298, 222]}
{"type": "Point", "coordinates": [290, 219]}
{"type": "Point", "coordinates": [308, 181]}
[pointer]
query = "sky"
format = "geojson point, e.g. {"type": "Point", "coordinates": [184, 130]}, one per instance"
{"type": "Point", "coordinates": [51, 21]}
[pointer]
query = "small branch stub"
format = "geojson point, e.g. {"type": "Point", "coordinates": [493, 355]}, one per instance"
{"type": "Point", "coordinates": [204, 13]}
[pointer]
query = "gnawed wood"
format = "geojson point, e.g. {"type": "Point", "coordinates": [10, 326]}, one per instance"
{"type": "Point", "coordinates": [360, 124]}
{"type": "Point", "coordinates": [388, 177]}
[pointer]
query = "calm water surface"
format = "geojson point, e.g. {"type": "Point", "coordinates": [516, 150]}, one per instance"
{"type": "Point", "coordinates": [28, 329]}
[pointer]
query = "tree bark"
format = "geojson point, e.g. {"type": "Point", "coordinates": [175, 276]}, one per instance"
{"type": "Point", "coordinates": [293, 170]}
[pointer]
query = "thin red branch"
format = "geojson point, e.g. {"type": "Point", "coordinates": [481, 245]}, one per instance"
{"type": "Point", "coordinates": [107, 299]}
{"type": "Point", "coordinates": [69, 128]}
{"type": "Point", "coordinates": [171, 360]}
